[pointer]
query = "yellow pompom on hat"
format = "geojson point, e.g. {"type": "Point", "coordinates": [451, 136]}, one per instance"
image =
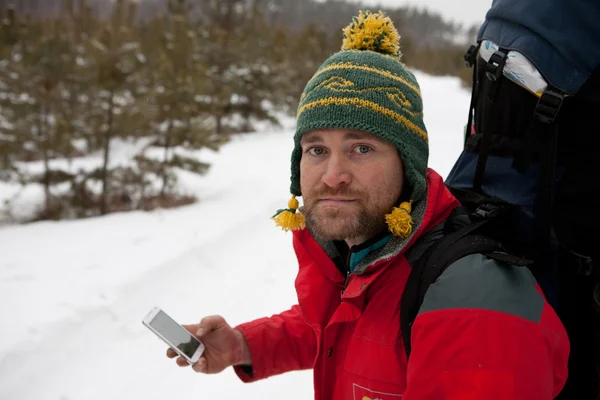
{"type": "Point", "coordinates": [366, 87]}
{"type": "Point", "coordinates": [290, 219]}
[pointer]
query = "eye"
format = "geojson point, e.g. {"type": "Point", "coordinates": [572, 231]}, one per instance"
{"type": "Point", "coordinates": [316, 151]}
{"type": "Point", "coordinates": [362, 149]}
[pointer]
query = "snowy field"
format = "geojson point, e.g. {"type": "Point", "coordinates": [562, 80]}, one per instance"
{"type": "Point", "coordinates": [73, 294]}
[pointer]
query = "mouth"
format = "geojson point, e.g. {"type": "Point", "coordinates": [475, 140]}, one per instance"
{"type": "Point", "coordinates": [335, 201]}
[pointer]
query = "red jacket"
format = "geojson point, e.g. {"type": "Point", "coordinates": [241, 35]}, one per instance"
{"type": "Point", "coordinates": [484, 331]}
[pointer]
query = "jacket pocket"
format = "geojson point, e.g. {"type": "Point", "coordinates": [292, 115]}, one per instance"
{"type": "Point", "coordinates": [378, 366]}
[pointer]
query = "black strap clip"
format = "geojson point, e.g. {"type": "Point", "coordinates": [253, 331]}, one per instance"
{"type": "Point", "coordinates": [548, 106]}
{"type": "Point", "coordinates": [584, 265]}
{"type": "Point", "coordinates": [495, 65]}
{"type": "Point", "coordinates": [544, 116]}
{"type": "Point", "coordinates": [471, 56]}
{"type": "Point", "coordinates": [488, 210]}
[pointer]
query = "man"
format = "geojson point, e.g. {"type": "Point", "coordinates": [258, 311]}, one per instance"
{"type": "Point", "coordinates": [484, 331]}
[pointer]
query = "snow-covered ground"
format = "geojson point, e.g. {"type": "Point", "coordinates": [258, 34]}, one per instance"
{"type": "Point", "coordinates": [73, 294]}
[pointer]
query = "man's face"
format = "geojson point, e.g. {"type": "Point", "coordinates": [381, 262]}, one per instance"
{"type": "Point", "coordinates": [349, 181]}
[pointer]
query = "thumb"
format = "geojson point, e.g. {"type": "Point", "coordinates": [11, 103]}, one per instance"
{"type": "Point", "coordinates": [210, 324]}
{"type": "Point", "coordinates": [191, 328]}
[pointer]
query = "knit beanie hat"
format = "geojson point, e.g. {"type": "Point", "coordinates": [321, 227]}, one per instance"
{"type": "Point", "coordinates": [366, 87]}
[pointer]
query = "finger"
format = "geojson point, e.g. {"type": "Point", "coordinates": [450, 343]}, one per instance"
{"type": "Point", "coordinates": [192, 328]}
{"type": "Point", "coordinates": [171, 353]}
{"type": "Point", "coordinates": [182, 362]}
{"type": "Point", "coordinates": [209, 324]}
{"type": "Point", "coordinates": [200, 366]}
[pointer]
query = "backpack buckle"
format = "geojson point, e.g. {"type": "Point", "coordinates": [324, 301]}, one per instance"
{"type": "Point", "coordinates": [584, 265]}
{"type": "Point", "coordinates": [487, 210]}
{"type": "Point", "coordinates": [471, 56]}
{"type": "Point", "coordinates": [495, 65]}
{"type": "Point", "coordinates": [548, 106]}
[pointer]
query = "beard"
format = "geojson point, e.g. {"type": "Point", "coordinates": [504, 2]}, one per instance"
{"type": "Point", "coordinates": [363, 217]}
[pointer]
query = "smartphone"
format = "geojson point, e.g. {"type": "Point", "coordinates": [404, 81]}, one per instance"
{"type": "Point", "coordinates": [175, 335]}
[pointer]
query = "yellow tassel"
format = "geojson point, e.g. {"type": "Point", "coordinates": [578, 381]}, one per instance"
{"type": "Point", "coordinates": [290, 219]}
{"type": "Point", "coordinates": [399, 220]}
{"type": "Point", "coordinates": [374, 32]}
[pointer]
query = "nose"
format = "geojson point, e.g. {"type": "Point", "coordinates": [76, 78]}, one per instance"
{"type": "Point", "coordinates": [337, 172]}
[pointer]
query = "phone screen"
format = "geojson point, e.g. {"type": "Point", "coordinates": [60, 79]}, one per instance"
{"type": "Point", "coordinates": [175, 334]}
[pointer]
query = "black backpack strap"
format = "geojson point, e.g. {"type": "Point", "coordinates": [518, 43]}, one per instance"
{"type": "Point", "coordinates": [440, 255]}
{"type": "Point", "coordinates": [542, 137]}
{"type": "Point", "coordinates": [470, 58]}
{"type": "Point", "coordinates": [494, 68]}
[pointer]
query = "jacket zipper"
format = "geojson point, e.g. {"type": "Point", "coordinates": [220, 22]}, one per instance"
{"type": "Point", "coordinates": [348, 273]}
{"type": "Point", "coordinates": [345, 284]}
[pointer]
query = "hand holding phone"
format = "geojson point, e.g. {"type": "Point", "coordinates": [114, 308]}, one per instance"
{"type": "Point", "coordinates": [224, 346]}
{"type": "Point", "coordinates": [180, 340]}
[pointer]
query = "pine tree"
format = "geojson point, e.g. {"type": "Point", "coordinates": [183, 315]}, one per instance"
{"type": "Point", "coordinates": [239, 42]}
{"type": "Point", "coordinates": [116, 59]}
{"type": "Point", "coordinates": [221, 24]}
{"type": "Point", "coordinates": [306, 52]}
{"type": "Point", "coordinates": [34, 73]}
{"type": "Point", "coordinates": [258, 87]}
{"type": "Point", "coordinates": [8, 140]}
{"type": "Point", "coordinates": [178, 89]}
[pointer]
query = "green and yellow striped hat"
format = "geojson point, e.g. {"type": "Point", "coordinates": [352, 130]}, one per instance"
{"type": "Point", "coordinates": [365, 87]}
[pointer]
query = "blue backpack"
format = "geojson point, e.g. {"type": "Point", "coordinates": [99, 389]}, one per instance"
{"type": "Point", "coordinates": [528, 180]}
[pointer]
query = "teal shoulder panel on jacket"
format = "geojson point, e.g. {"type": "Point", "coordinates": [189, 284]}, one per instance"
{"type": "Point", "coordinates": [479, 282]}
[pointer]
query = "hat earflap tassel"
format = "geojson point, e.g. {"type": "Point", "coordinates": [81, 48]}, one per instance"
{"type": "Point", "coordinates": [290, 219]}
{"type": "Point", "coordinates": [399, 221]}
